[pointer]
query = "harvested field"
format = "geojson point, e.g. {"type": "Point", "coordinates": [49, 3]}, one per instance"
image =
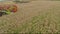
{"type": "Point", "coordinates": [42, 17]}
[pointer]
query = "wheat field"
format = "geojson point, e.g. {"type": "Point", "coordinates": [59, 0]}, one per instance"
{"type": "Point", "coordinates": [36, 17]}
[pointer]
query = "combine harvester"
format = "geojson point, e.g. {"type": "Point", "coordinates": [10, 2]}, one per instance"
{"type": "Point", "coordinates": [7, 8]}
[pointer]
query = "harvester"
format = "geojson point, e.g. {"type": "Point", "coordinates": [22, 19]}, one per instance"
{"type": "Point", "coordinates": [7, 9]}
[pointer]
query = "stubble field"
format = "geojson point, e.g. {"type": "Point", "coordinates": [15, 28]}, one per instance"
{"type": "Point", "coordinates": [33, 17]}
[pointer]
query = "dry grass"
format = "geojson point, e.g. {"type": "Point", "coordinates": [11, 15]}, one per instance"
{"type": "Point", "coordinates": [34, 17]}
